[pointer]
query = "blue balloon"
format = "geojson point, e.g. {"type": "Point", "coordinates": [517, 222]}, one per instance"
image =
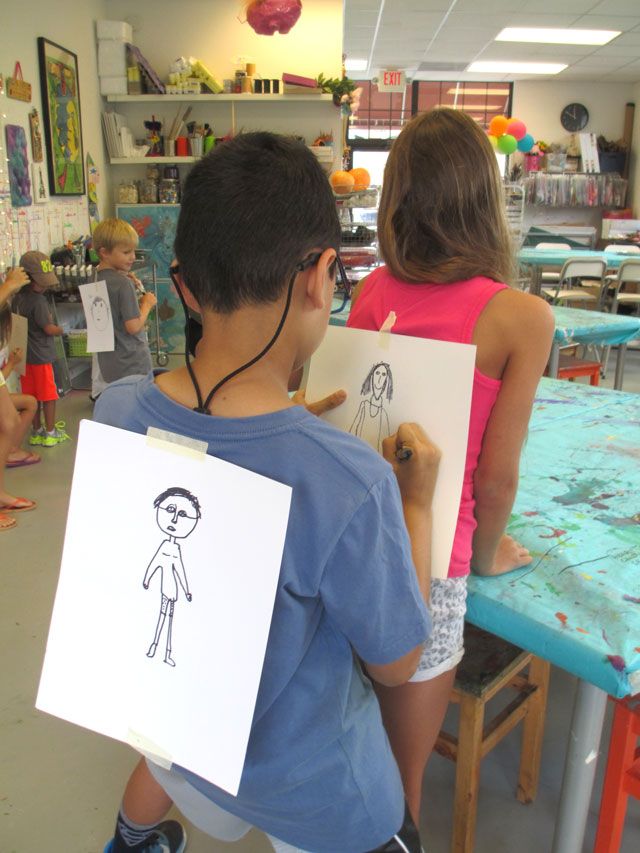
{"type": "Point", "coordinates": [526, 143]}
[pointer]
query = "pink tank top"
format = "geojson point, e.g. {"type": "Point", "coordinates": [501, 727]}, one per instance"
{"type": "Point", "coordinates": [445, 312]}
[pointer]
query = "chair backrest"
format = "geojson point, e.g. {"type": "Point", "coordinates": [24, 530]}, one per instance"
{"type": "Point", "coordinates": [629, 271]}
{"type": "Point", "coordinates": [622, 250]}
{"type": "Point", "coordinates": [560, 247]}
{"type": "Point", "coordinates": [582, 268]}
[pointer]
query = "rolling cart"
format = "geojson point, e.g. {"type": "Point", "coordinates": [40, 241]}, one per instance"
{"type": "Point", "coordinates": [144, 261]}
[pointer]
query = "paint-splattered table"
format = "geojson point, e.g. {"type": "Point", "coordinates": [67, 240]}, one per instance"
{"type": "Point", "coordinates": [578, 604]}
{"type": "Point", "coordinates": [577, 326]}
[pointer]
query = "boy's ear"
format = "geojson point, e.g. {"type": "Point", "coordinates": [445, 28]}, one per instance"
{"type": "Point", "coordinates": [189, 298]}
{"type": "Point", "coordinates": [318, 277]}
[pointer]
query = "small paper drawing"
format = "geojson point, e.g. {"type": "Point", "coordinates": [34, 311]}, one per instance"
{"type": "Point", "coordinates": [100, 313]}
{"type": "Point", "coordinates": [98, 316]}
{"type": "Point", "coordinates": [372, 421]}
{"type": "Point", "coordinates": [178, 512]}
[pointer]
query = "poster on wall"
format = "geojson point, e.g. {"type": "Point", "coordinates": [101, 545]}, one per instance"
{"type": "Point", "coordinates": [391, 379]}
{"type": "Point", "coordinates": [61, 110]}
{"type": "Point", "coordinates": [18, 164]}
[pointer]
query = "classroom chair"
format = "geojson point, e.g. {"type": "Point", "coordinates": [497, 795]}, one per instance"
{"type": "Point", "coordinates": [588, 290]}
{"type": "Point", "coordinates": [491, 665]}
{"type": "Point", "coordinates": [551, 276]}
{"type": "Point", "coordinates": [628, 273]}
{"type": "Point", "coordinates": [622, 776]}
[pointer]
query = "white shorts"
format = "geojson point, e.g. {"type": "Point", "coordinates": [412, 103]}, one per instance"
{"type": "Point", "coordinates": [445, 647]}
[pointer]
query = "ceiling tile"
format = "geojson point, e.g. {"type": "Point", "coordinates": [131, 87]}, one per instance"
{"type": "Point", "coordinates": [607, 22]}
{"type": "Point", "coordinates": [616, 7]}
{"type": "Point", "coordinates": [566, 6]}
{"type": "Point", "coordinates": [532, 18]}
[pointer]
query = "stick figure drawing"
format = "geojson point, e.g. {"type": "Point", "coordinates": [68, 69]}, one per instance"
{"type": "Point", "coordinates": [372, 421]}
{"type": "Point", "coordinates": [177, 514]}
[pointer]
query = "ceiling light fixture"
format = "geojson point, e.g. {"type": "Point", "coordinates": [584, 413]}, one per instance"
{"type": "Point", "coordinates": [549, 35]}
{"type": "Point", "coordinates": [504, 67]}
{"type": "Point", "coordinates": [355, 64]}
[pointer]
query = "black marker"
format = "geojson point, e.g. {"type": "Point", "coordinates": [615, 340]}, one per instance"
{"type": "Point", "coordinates": [403, 453]}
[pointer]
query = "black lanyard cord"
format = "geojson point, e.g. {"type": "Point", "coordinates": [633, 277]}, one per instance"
{"type": "Point", "coordinates": [203, 407]}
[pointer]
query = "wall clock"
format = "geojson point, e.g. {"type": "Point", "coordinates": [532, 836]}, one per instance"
{"type": "Point", "coordinates": [574, 117]}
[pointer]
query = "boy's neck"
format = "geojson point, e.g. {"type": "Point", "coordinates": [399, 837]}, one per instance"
{"type": "Point", "coordinates": [105, 265]}
{"type": "Point", "coordinates": [228, 343]}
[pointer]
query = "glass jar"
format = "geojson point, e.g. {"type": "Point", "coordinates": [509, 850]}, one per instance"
{"type": "Point", "coordinates": [169, 191]}
{"type": "Point", "coordinates": [128, 192]}
{"type": "Point", "coordinates": [148, 191]}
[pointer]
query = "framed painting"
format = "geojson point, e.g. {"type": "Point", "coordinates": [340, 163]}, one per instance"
{"type": "Point", "coordinates": [60, 88]}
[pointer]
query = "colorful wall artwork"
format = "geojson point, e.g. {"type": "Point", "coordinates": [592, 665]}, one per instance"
{"type": "Point", "coordinates": [155, 225]}
{"type": "Point", "coordinates": [63, 125]}
{"type": "Point", "coordinates": [18, 165]}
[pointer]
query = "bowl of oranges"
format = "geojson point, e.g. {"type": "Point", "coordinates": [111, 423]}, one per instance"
{"type": "Point", "coordinates": [355, 180]}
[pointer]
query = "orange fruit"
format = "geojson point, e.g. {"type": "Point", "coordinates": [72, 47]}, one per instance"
{"type": "Point", "coordinates": [342, 182]}
{"type": "Point", "coordinates": [361, 178]}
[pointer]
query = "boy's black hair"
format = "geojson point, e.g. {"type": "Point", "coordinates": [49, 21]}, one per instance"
{"type": "Point", "coordinates": [250, 211]}
{"type": "Point", "coordinates": [178, 491]}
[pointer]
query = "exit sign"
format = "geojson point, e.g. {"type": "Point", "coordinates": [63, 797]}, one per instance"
{"type": "Point", "coordinates": [391, 81]}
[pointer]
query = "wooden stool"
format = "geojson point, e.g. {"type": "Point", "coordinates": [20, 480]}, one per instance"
{"type": "Point", "coordinates": [622, 777]}
{"type": "Point", "coordinates": [488, 666]}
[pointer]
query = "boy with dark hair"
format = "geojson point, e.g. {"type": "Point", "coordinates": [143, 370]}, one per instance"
{"type": "Point", "coordinates": [256, 248]}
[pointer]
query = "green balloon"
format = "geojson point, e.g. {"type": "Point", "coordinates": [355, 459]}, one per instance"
{"type": "Point", "coordinates": [507, 144]}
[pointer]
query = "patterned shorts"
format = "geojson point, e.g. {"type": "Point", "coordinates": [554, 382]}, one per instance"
{"type": "Point", "coordinates": [445, 647]}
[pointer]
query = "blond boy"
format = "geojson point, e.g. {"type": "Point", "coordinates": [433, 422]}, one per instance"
{"type": "Point", "coordinates": [115, 241]}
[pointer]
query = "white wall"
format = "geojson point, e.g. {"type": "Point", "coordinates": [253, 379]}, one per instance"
{"type": "Point", "coordinates": [212, 31]}
{"type": "Point", "coordinates": [70, 24]}
{"type": "Point", "coordinates": [539, 105]}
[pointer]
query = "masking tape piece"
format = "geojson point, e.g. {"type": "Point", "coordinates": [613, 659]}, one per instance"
{"type": "Point", "coordinates": [181, 444]}
{"type": "Point", "coordinates": [384, 337]}
{"type": "Point", "coordinates": [149, 749]}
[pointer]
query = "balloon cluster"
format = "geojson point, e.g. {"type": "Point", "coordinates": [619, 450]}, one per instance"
{"type": "Point", "coordinates": [509, 135]}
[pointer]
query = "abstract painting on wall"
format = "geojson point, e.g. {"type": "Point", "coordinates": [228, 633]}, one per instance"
{"type": "Point", "coordinates": [61, 109]}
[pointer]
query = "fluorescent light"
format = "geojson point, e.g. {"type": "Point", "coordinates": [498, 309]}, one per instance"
{"type": "Point", "coordinates": [355, 64]}
{"type": "Point", "coordinates": [466, 91]}
{"type": "Point", "coordinates": [504, 67]}
{"type": "Point", "coordinates": [548, 35]}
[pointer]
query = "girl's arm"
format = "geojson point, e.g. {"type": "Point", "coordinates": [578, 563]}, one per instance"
{"type": "Point", "coordinates": [14, 280]}
{"type": "Point", "coordinates": [528, 333]}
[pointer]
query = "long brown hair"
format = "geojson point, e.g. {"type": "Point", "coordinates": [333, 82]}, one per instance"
{"type": "Point", "coordinates": [5, 324]}
{"type": "Point", "coordinates": [442, 210]}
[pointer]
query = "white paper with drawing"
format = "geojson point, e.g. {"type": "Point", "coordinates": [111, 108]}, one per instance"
{"type": "Point", "coordinates": [97, 312]}
{"type": "Point", "coordinates": [164, 604]}
{"type": "Point", "coordinates": [390, 379]}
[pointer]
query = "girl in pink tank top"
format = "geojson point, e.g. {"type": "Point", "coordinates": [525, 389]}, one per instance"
{"type": "Point", "coordinates": [446, 246]}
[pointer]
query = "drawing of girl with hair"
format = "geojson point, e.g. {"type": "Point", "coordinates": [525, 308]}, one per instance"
{"type": "Point", "coordinates": [372, 421]}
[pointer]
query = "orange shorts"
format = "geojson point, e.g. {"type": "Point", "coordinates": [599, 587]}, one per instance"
{"type": "Point", "coordinates": [39, 382]}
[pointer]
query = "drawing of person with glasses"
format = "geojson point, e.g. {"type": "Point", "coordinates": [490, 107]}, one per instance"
{"type": "Point", "coordinates": [177, 514]}
{"type": "Point", "coordinates": [372, 421]}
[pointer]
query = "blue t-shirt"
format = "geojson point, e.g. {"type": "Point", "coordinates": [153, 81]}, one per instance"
{"type": "Point", "coordinates": [319, 772]}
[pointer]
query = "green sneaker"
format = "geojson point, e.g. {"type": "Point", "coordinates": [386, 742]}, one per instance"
{"type": "Point", "coordinates": [50, 439]}
{"type": "Point", "coordinates": [37, 437]}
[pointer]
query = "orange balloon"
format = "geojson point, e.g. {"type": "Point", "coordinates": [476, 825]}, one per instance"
{"type": "Point", "coordinates": [498, 125]}
{"type": "Point", "coordinates": [342, 182]}
{"type": "Point", "coordinates": [361, 178]}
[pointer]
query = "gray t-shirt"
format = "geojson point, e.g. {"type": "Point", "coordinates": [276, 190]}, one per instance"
{"type": "Point", "coordinates": [131, 356]}
{"type": "Point", "coordinates": [41, 347]}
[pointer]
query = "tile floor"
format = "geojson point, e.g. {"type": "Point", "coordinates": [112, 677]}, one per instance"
{"type": "Point", "coordinates": [60, 785]}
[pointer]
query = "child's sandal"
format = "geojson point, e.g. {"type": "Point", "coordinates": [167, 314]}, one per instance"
{"type": "Point", "coordinates": [6, 522]}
